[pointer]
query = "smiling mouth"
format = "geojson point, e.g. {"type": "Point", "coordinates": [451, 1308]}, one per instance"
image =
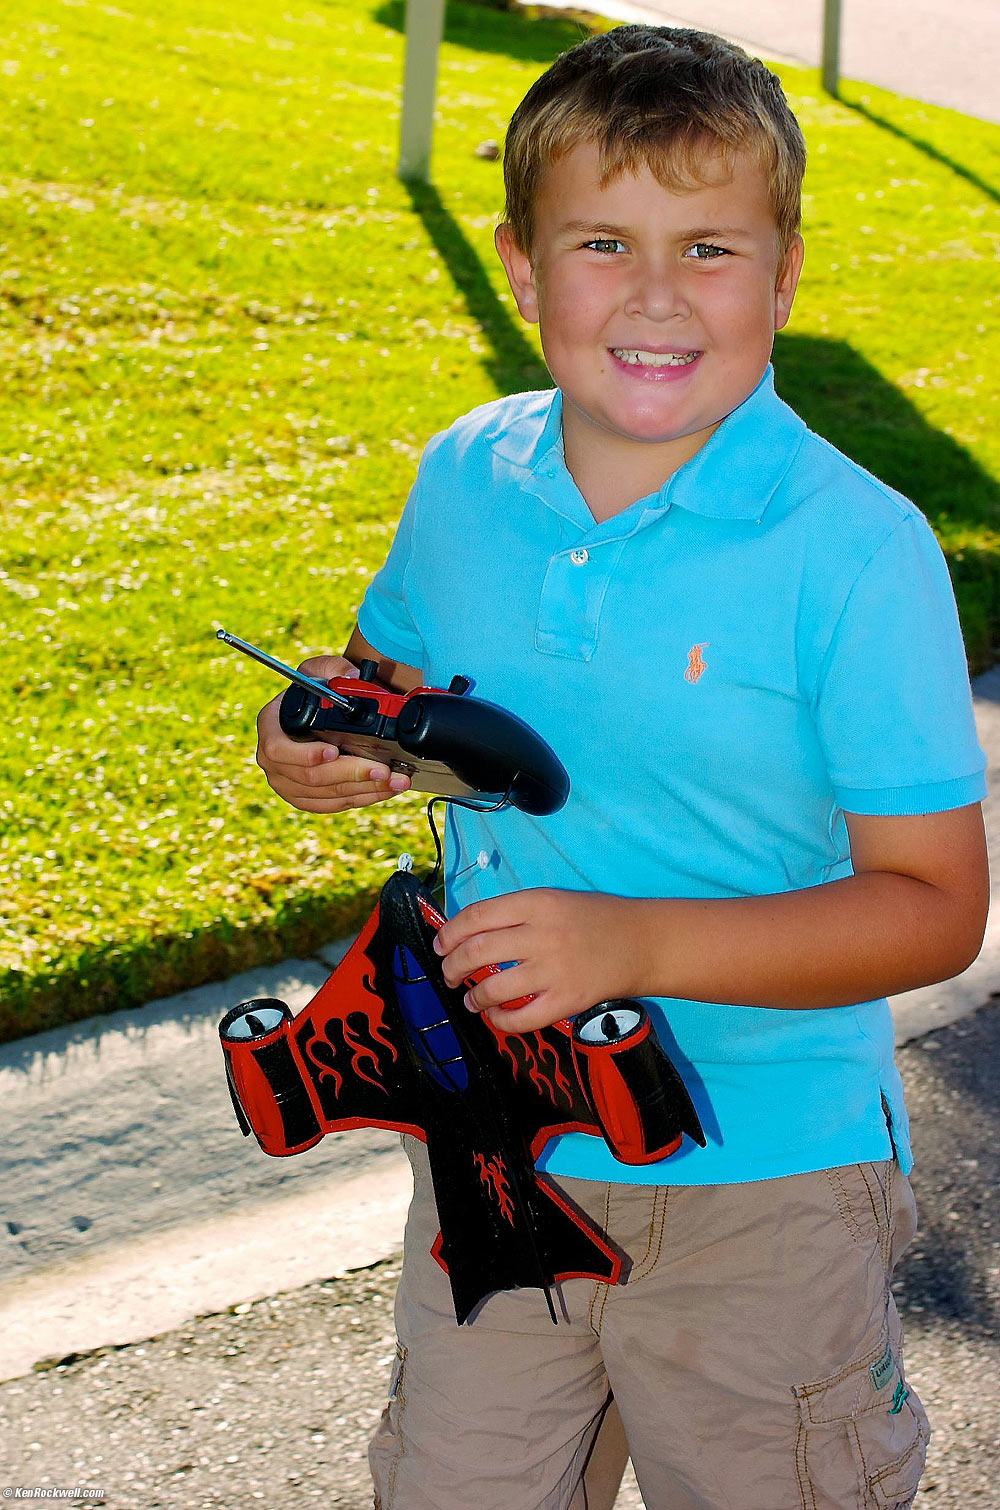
{"type": "Point", "coordinates": [635, 358]}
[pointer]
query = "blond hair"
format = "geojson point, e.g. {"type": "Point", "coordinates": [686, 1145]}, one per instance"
{"type": "Point", "coordinates": [660, 97]}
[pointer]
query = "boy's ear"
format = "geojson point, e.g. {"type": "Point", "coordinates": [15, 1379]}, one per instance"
{"type": "Point", "coordinates": [520, 273]}
{"type": "Point", "coordinates": [788, 282]}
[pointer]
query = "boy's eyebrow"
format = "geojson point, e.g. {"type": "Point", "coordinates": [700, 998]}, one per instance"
{"type": "Point", "coordinates": [693, 233]}
{"type": "Point", "coordinates": [592, 228]}
{"type": "Point", "coordinates": [706, 232]}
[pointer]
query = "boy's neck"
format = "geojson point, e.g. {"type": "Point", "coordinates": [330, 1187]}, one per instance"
{"type": "Point", "coordinates": [612, 472]}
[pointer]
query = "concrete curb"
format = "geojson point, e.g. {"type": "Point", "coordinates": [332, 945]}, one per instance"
{"type": "Point", "coordinates": [140, 1288]}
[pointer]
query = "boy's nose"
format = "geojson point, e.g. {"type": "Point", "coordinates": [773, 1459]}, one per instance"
{"type": "Point", "coordinates": [657, 295]}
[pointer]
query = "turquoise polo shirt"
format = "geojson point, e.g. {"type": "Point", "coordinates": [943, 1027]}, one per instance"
{"type": "Point", "coordinates": [724, 668]}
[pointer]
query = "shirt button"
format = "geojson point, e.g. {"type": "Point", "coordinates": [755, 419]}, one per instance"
{"type": "Point", "coordinates": [579, 558]}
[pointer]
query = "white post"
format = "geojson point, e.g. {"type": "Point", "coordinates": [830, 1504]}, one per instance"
{"type": "Point", "coordinates": [831, 46]}
{"type": "Point", "coordinates": [424, 28]}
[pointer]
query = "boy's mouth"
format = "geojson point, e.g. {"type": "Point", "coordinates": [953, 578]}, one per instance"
{"type": "Point", "coordinates": [640, 358]}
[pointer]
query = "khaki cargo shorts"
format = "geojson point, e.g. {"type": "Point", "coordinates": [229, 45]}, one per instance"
{"type": "Point", "coordinates": [754, 1359]}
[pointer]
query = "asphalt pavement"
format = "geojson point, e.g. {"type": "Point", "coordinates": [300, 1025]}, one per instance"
{"type": "Point", "coordinates": [184, 1322]}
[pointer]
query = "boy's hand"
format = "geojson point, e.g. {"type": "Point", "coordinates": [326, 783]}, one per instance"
{"type": "Point", "coordinates": [315, 777]}
{"type": "Point", "coordinates": [573, 949]}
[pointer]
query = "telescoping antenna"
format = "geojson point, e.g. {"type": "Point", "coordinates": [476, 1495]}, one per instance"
{"type": "Point", "coordinates": [310, 683]}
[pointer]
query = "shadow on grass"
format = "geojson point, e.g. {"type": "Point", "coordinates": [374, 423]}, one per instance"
{"type": "Point", "coordinates": [512, 361]}
{"type": "Point", "coordinates": [922, 145]}
{"type": "Point", "coordinates": [839, 395]}
{"type": "Point", "coordinates": [489, 29]}
{"type": "Point", "coordinates": [844, 399]}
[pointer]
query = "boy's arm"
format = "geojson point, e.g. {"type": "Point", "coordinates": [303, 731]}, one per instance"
{"type": "Point", "coordinates": [390, 673]}
{"type": "Point", "coordinates": [914, 912]}
{"type": "Point", "coordinates": [315, 777]}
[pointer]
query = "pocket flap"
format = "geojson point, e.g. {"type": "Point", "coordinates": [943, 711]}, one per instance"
{"type": "Point", "coordinates": [866, 1384]}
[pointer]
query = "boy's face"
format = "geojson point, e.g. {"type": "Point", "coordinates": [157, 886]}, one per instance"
{"type": "Point", "coordinates": [657, 310]}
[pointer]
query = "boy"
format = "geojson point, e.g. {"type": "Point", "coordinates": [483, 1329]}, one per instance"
{"type": "Point", "coordinates": [746, 652]}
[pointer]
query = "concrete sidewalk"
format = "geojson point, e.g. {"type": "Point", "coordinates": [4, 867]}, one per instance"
{"type": "Point", "coordinates": [947, 55]}
{"type": "Point", "coordinates": [131, 1203]}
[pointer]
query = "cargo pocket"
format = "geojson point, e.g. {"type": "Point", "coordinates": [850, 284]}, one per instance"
{"type": "Point", "coordinates": [388, 1444]}
{"type": "Point", "coordinates": [862, 1437]}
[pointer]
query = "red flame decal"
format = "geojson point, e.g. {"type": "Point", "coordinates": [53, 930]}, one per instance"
{"type": "Point", "coordinates": [540, 1060]}
{"type": "Point", "coordinates": [362, 1040]}
{"type": "Point", "coordinates": [560, 1080]}
{"type": "Point", "coordinates": [376, 1023]}
{"type": "Point", "coordinates": [494, 1177]}
{"type": "Point", "coordinates": [359, 1051]}
{"type": "Point", "coordinates": [325, 1070]}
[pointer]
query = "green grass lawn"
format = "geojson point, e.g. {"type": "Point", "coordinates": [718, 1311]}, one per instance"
{"type": "Point", "coordinates": [226, 330]}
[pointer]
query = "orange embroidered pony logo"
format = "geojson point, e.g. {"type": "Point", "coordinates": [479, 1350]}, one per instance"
{"type": "Point", "coordinates": [696, 664]}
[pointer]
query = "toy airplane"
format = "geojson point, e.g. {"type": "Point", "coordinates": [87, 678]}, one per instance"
{"type": "Point", "coordinates": [386, 1043]}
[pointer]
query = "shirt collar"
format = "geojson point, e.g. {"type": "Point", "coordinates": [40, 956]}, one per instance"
{"type": "Point", "coordinates": [532, 441]}
{"type": "Point", "coordinates": [738, 469]}
{"type": "Point", "coordinates": [733, 476]}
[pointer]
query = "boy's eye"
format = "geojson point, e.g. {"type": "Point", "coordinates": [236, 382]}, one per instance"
{"type": "Point", "coordinates": [605, 244]}
{"type": "Point", "coordinates": [705, 251]}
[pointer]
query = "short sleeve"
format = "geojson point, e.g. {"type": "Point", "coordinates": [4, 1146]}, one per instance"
{"type": "Point", "coordinates": [383, 616]}
{"type": "Point", "coordinates": [893, 706]}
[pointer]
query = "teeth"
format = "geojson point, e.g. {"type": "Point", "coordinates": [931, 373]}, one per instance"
{"type": "Point", "coordinates": [654, 358]}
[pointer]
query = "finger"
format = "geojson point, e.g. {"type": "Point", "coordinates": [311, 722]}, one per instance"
{"type": "Point", "coordinates": [480, 951]}
{"type": "Point", "coordinates": [268, 721]}
{"type": "Point", "coordinates": [301, 763]}
{"type": "Point", "coordinates": [358, 768]}
{"type": "Point", "coordinates": [321, 770]}
{"type": "Point", "coordinates": [500, 989]}
{"type": "Point", "coordinates": [538, 1013]}
{"type": "Point", "coordinates": [274, 748]}
{"type": "Point", "coordinates": [324, 667]}
{"type": "Point", "coordinates": [480, 917]}
{"type": "Point", "coordinates": [298, 791]}
{"type": "Point", "coordinates": [338, 804]}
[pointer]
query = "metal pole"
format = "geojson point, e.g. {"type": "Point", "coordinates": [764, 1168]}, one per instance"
{"type": "Point", "coordinates": [424, 29]}
{"type": "Point", "coordinates": [831, 46]}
